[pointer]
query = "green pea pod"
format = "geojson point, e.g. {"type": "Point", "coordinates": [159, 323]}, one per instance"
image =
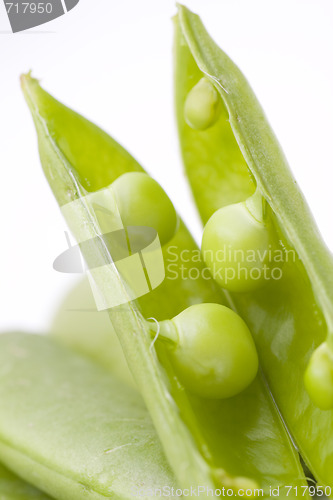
{"type": "Point", "coordinates": [207, 443]}
{"type": "Point", "coordinates": [291, 316]}
{"type": "Point", "coordinates": [70, 428]}
{"type": "Point", "coordinates": [14, 488]}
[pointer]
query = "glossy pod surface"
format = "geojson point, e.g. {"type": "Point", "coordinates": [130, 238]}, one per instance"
{"type": "Point", "coordinates": [290, 316]}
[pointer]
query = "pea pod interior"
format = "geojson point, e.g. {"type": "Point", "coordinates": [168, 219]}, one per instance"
{"type": "Point", "coordinates": [290, 316]}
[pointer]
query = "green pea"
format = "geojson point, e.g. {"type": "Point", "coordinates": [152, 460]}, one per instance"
{"type": "Point", "coordinates": [202, 105]}
{"type": "Point", "coordinates": [143, 202]}
{"type": "Point", "coordinates": [237, 246]}
{"type": "Point", "coordinates": [318, 377]}
{"type": "Point", "coordinates": [212, 350]}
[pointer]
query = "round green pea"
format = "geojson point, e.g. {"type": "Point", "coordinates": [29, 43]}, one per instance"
{"type": "Point", "coordinates": [236, 248]}
{"type": "Point", "coordinates": [202, 106]}
{"type": "Point", "coordinates": [318, 377]}
{"type": "Point", "coordinates": [143, 202]}
{"type": "Point", "coordinates": [215, 356]}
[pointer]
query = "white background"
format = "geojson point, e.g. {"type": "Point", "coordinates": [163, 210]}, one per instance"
{"type": "Point", "coordinates": [111, 60]}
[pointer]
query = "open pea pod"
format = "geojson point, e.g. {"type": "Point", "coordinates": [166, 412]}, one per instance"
{"type": "Point", "coordinates": [207, 442]}
{"type": "Point", "coordinates": [225, 162]}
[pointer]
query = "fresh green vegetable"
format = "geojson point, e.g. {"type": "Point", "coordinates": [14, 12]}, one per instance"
{"type": "Point", "coordinates": [212, 350]}
{"type": "Point", "coordinates": [202, 105]}
{"type": "Point", "coordinates": [142, 202]}
{"type": "Point", "coordinates": [70, 428]}
{"type": "Point", "coordinates": [237, 245]}
{"type": "Point", "coordinates": [207, 442]}
{"type": "Point", "coordinates": [290, 316]}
